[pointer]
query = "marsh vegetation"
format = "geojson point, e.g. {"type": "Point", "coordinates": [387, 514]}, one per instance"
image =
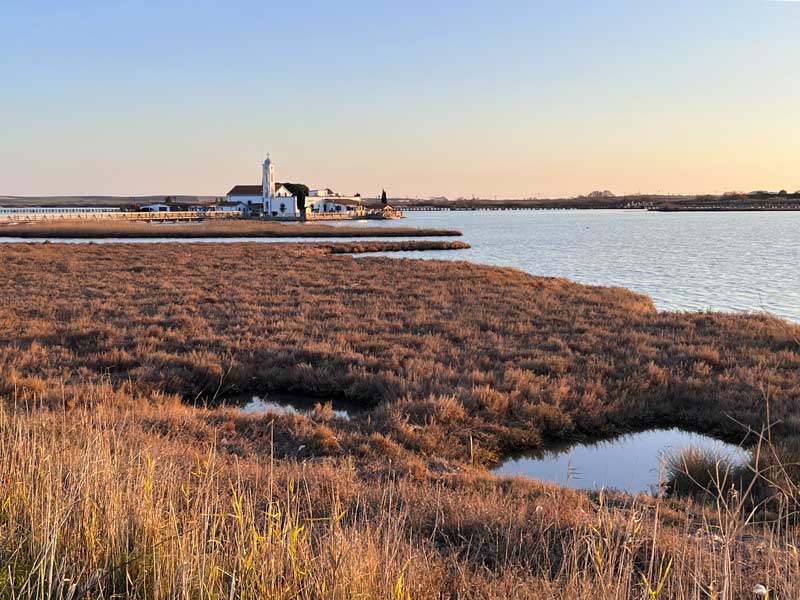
{"type": "Point", "coordinates": [123, 475]}
{"type": "Point", "coordinates": [239, 228]}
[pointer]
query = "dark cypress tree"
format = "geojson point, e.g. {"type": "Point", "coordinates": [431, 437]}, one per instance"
{"type": "Point", "coordinates": [383, 197]}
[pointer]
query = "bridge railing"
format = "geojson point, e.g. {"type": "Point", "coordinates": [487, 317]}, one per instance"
{"type": "Point", "coordinates": [173, 215]}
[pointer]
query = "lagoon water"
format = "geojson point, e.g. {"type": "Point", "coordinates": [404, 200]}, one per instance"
{"type": "Point", "coordinates": [631, 463]}
{"type": "Point", "coordinates": [210, 240]}
{"type": "Point", "coordinates": [731, 261]}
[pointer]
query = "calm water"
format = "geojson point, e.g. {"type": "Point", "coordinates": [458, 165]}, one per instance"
{"type": "Point", "coordinates": [211, 240]}
{"type": "Point", "coordinates": [684, 261]}
{"type": "Point", "coordinates": [748, 261]}
{"type": "Point", "coordinates": [283, 404]}
{"type": "Point", "coordinates": [631, 463]}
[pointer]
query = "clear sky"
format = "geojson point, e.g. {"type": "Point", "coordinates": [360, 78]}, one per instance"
{"type": "Point", "coordinates": [435, 97]}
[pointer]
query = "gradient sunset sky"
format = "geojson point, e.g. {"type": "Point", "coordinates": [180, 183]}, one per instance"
{"type": "Point", "coordinates": [457, 98]}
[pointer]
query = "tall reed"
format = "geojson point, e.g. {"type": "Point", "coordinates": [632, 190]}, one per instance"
{"type": "Point", "coordinates": [102, 503]}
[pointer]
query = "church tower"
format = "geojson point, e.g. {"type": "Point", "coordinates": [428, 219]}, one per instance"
{"type": "Point", "coordinates": [268, 184]}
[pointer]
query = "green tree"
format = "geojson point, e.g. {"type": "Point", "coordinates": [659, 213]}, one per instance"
{"type": "Point", "coordinates": [299, 191]}
{"type": "Point", "coordinates": [384, 199]}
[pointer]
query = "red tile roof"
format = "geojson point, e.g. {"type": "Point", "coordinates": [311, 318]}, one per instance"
{"type": "Point", "coordinates": [246, 190]}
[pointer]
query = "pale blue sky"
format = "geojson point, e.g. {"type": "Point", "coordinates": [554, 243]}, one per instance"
{"type": "Point", "coordinates": [512, 98]}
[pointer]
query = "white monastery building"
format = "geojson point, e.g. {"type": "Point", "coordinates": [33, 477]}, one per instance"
{"type": "Point", "coordinates": [275, 200]}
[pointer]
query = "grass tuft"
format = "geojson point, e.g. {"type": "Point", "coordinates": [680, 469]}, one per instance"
{"type": "Point", "coordinates": [703, 472]}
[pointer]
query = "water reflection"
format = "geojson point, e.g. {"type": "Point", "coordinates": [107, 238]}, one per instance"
{"type": "Point", "coordinates": [631, 463]}
{"type": "Point", "coordinates": [284, 404]}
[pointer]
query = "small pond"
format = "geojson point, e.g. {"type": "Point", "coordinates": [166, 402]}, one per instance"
{"type": "Point", "coordinates": [631, 463]}
{"type": "Point", "coordinates": [284, 404]}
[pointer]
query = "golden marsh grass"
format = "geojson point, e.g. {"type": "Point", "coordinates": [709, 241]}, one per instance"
{"type": "Point", "coordinates": [112, 486]}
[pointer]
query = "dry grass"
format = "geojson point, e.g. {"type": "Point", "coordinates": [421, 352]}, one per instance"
{"type": "Point", "coordinates": [158, 500]}
{"type": "Point", "coordinates": [204, 229]}
{"type": "Point", "coordinates": [704, 473]}
{"type": "Point", "coordinates": [109, 485]}
{"type": "Point", "coordinates": [768, 483]}
{"type": "Point", "coordinates": [459, 350]}
{"type": "Point", "coordinates": [390, 246]}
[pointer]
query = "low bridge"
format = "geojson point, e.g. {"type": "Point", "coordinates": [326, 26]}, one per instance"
{"type": "Point", "coordinates": [162, 216]}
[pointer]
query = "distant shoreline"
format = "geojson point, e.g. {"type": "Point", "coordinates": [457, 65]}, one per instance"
{"type": "Point", "coordinates": [752, 202]}
{"type": "Point", "coordinates": [726, 209]}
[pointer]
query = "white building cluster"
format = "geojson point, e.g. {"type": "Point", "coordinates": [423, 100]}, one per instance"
{"type": "Point", "coordinates": [280, 200]}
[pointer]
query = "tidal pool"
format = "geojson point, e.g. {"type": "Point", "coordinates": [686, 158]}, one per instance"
{"type": "Point", "coordinates": [284, 404]}
{"type": "Point", "coordinates": [632, 463]}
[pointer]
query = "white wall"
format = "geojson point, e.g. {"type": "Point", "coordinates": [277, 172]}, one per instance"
{"type": "Point", "coordinates": [327, 205]}
{"type": "Point", "coordinates": [246, 199]}
{"type": "Point", "coordinates": [290, 205]}
{"type": "Point", "coordinates": [156, 207]}
{"type": "Point", "coordinates": [235, 207]}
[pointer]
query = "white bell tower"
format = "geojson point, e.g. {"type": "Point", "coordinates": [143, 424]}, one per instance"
{"type": "Point", "coordinates": [268, 185]}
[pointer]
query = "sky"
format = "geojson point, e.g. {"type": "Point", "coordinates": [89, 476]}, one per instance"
{"type": "Point", "coordinates": [512, 98]}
